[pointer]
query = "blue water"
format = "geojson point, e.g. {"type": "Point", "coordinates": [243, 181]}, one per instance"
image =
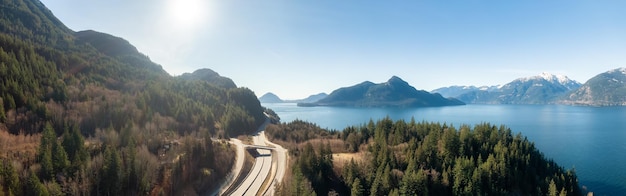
{"type": "Point", "coordinates": [592, 140]}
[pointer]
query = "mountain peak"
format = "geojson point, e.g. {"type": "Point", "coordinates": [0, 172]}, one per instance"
{"type": "Point", "coordinates": [621, 70]}
{"type": "Point", "coordinates": [270, 98]}
{"type": "Point", "coordinates": [393, 93]}
{"type": "Point", "coordinates": [559, 79]}
{"type": "Point", "coordinates": [396, 80]}
{"type": "Point", "coordinates": [211, 77]}
{"type": "Point", "coordinates": [552, 77]}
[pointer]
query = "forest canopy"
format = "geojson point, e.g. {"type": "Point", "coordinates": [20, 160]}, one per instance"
{"type": "Point", "coordinates": [421, 158]}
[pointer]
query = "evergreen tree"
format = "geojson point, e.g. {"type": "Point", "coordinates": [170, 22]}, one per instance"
{"type": "Point", "coordinates": [552, 190]}
{"type": "Point", "coordinates": [73, 143]}
{"type": "Point", "coordinates": [563, 192]}
{"type": "Point", "coordinates": [3, 117]}
{"type": "Point", "coordinates": [357, 188]}
{"type": "Point", "coordinates": [35, 187]}
{"type": "Point", "coordinates": [414, 183]}
{"type": "Point", "coordinates": [60, 162]}
{"type": "Point", "coordinates": [110, 181]}
{"type": "Point", "coordinates": [11, 179]}
{"type": "Point", "coordinates": [300, 186]}
{"type": "Point", "coordinates": [48, 139]}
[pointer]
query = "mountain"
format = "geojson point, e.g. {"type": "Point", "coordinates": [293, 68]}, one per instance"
{"type": "Point", "coordinates": [273, 98]}
{"type": "Point", "coordinates": [455, 91]}
{"type": "Point", "coordinates": [542, 89]}
{"type": "Point", "coordinates": [58, 86]}
{"type": "Point", "coordinates": [393, 93]}
{"type": "Point", "coordinates": [605, 89]}
{"type": "Point", "coordinates": [310, 99]}
{"type": "Point", "coordinates": [270, 98]}
{"type": "Point", "coordinates": [211, 77]}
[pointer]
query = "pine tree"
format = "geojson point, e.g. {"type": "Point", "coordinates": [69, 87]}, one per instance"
{"type": "Point", "coordinates": [357, 188]}
{"type": "Point", "coordinates": [110, 181]}
{"type": "Point", "coordinates": [3, 117]}
{"type": "Point", "coordinates": [414, 183]}
{"type": "Point", "coordinates": [48, 139]}
{"type": "Point", "coordinates": [35, 187]}
{"type": "Point", "coordinates": [47, 167]}
{"type": "Point", "coordinates": [11, 179]}
{"type": "Point", "coordinates": [563, 192]}
{"type": "Point", "coordinates": [60, 162]}
{"type": "Point", "coordinates": [300, 186]}
{"type": "Point", "coordinates": [552, 190]}
{"type": "Point", "coordinates": [73, 143]}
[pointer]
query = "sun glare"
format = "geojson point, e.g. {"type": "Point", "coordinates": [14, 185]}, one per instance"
{"type": "Point", "coordinates": [187, 13]}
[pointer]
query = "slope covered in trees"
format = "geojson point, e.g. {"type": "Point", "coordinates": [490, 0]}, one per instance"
{"type": "Point", "coordinates": [95, 116]}
{"type": "Point", "coordinates": [393, 93]}
{"type": "Point", "coordinates": [605, 89]}
{"type": "Point", "coordinates": [411, 158]}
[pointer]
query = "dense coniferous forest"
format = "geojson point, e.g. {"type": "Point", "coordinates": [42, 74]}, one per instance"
{"type": "Point", "coordinates": [418, 158]}
{"type": "Point", "coordinates": [85, 113]}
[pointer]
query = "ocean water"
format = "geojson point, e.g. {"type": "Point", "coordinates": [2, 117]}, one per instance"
{"type": "Point", "coordinates": [591, 140]}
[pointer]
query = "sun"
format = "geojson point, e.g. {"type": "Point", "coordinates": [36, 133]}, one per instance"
{"type": "Point", "coordinates": [187, 13]}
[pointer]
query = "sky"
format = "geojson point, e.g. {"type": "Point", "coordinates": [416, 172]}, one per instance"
{"type": "Point", "coordinates": [299, 48]}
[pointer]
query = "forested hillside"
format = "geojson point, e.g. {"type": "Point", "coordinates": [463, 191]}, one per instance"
{"type": "Point", "coordinates": [411, 158]}
{"type": "Point", "coordinates": [393, 93]}
{"type": "Point", "coordinates": [605, 89]}
{"type": "Point", "coordinates": [86, 113]}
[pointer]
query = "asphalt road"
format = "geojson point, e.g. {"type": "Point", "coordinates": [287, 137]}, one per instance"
{"type": "Point", "coordinates": [262, 170]}
{"type": "Point", "coordinates": [280, 154]}
{"type": "Point", "coordinates": [254, 180]}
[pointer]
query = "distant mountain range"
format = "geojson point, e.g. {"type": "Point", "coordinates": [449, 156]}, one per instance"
{"type": "Point", "coordinates": [542, 89]}
{"type": "Point", "coordinates": [273, 98]}
{"type": "Point", "coordinates": [605, 89]}
{"type": "Point", "coordinates": [455, 91]}
{"type": "Point", "coordinates": [393, 93]}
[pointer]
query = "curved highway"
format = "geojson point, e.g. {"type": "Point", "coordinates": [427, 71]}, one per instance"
{"type": "Point", "coordinates": [253, 182]}
{"type": "Point", "coordinates": [261, 172]}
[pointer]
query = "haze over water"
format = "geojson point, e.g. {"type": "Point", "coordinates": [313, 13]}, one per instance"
{"type": "Point", "coordinates": [589, 139]}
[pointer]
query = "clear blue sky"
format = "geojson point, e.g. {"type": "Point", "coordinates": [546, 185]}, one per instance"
{"type": "Point", "coordinates": [298, 48]}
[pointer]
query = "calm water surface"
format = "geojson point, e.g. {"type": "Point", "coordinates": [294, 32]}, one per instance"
{"type": "Point", "coordinates": [592, 140]}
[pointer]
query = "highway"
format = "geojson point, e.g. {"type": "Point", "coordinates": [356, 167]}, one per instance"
{"type": "Point", "coordinates": [254, 180]}
{"type": "Point", "coordinates": [269, 166]}
{"type": "Point", "coordinates": [280, 163]}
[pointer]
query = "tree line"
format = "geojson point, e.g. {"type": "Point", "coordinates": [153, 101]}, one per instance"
{"type": "Point", "coordinates": [424, 158]}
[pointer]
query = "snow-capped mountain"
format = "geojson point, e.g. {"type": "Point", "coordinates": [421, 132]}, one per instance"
{"type": "Point", "coordinates": [541, 89]}
{"type": "Point", "coordinates": [560, 80]}
{"type": "Point", "coordinates": [455, 91]}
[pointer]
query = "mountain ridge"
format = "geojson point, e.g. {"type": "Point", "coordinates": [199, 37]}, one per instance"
{"type": "Point", "coordinates": [604, 89]}
{"type": "Point", "coordinates": [393, 93]}
{"type": "Point", "coordinates": [544, 88]}
{"type": "Point", "coordinates": [456, 90]}
{"type": "Point", "coordinates": [273, 98]}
